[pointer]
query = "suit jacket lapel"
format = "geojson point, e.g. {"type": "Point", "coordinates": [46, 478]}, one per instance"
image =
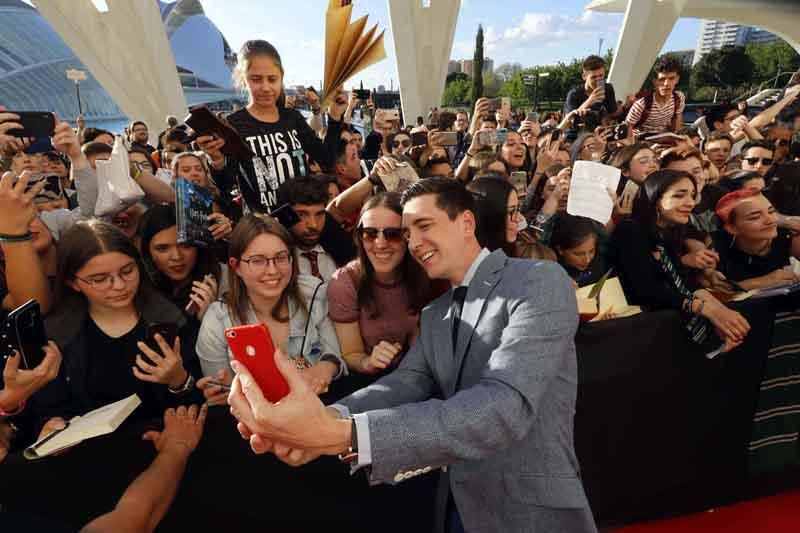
{"type": "Point", "coordinates": [487, 276]}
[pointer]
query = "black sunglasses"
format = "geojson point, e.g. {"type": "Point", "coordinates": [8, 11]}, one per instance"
{"type": "Point", "coordinates": [754, 160]}
{"type": "Point", "coordinates": [393, 235]}
{"type": "Point", "coordinates": [397, 144]}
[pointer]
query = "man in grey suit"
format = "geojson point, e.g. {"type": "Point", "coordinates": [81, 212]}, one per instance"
{"type": "Point", "coordinates": [488, 397]}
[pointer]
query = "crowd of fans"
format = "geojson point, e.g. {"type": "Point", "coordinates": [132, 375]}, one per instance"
{"type": "Point", "coordinates": [699, 215]}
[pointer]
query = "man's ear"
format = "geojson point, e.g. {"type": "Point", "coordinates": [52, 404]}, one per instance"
{"type": "Point", "coordinates": [470, 224]}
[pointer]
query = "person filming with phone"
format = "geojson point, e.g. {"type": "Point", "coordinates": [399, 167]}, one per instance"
{"type": "Point", "coordinates": [595, 94]}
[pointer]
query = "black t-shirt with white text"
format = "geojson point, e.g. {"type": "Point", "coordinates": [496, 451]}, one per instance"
{"type": "Point", "coordinates": [281, 151]}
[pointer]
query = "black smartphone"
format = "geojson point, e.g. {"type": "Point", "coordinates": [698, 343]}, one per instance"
{"type": "Point", "coordinates": [446, 120]}
{"type": "Point", "coordinates": [167, 331]}
{"type": "Point", "coordinates": [25, 333]}
{"type": "Point", "coordinates": [362, 94]}
{"type": "Point", "coordinates": [36, 124]}
{"type": "Point", "coordinates": [419, 138]}
{"type": "Point", "coordinates": [495, 104]}
{"type": "Point", "coordinates": [619, 132]}
{"type": "Point", "coordinates": [285, 215]}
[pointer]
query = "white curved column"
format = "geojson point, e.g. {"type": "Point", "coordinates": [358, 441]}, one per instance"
{"type": "Point", "coordinates": [423, 40]}
{"type": "Point", "coordinates": [127, 51]}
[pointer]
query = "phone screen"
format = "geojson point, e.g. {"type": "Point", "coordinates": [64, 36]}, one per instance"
{"type": "Point", "coordinates": [27, 335]}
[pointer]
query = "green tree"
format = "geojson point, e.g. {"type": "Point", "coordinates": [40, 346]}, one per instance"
{"type": "Point", "coordinates": [770, 58]}
{"type": "Point", "coordinates": [477, 66]}
{"type": "Point", "coordinates": [506, 71]}
{"type": "Point", "coordinates": [516, 89]}
{"type": "Point", "coordinates": [457, 93]}
{"type": "Point", "coordinates": [453, 76]}
{"type": "Point", "coordinates": [728, 67]}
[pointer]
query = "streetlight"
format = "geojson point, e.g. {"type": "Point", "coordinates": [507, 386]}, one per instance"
{"type": "Point", "coordinates": [77, 76]}
{"type": "Point", "coordinates": [533, 79]}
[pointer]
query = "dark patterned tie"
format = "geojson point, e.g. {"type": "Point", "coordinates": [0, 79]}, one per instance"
{"type": "Point", "coordinates": [456, 306]}
{"type": "Point", "coordinates": [312, 258]}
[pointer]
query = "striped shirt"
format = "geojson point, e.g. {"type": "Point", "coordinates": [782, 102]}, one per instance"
{"type": "Point", "coordinates": [660, 119]}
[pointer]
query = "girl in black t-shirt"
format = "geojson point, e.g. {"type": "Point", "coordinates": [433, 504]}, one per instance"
{"type": "Point", "coordinates": [100, 319]}
{"type": "Point", "coordinates": [279, 137]}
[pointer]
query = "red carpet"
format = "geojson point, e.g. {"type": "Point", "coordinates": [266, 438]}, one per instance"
{"type": "Point", "coordinates": [776, 514]}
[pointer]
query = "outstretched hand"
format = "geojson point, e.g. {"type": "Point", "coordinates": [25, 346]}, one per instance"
{"type": "Point", "coordinates": [297, 429]}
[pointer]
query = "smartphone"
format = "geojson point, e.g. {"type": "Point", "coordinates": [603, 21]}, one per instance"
{"type": "Point", "coordinates": [392, 114]}
{"type": "Point", "coordinates": [169, 332]}
{"type": "Point", "coordinates": [25, 333]}
{"type": "Point", "coordinates": [532, 117]}
{"type": "Point", "coordinates": [419, 138]}
{"type": "Point", "coordinates": [446, 120]}
{"type": "Point", "coordinates": [619, 132]}
{"type": "Point", "coordinates": [501, 135]}
{"type": "Point", "coordinates": [285, 215]}
{"type": "Point", "coordinates": [601, 84]}
{"type": "Point", "coordinates": [495, 104]}
{"type": "Point", "coordinates": [519, 179]}
{"type": "Point", "coordinates": [204, 122]}
{"type": "Point", "coordinates": [362, 94]}
{"type": "Point", "coordinates": [487, 138]}
{"type": "Point", "coordinates": [251, 345]}
{"type": "Point", "coordinates": [36, 124]}
{"type": "Point", "coordinates": [448, 138]}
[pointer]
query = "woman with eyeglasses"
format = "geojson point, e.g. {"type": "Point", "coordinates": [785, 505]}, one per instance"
{"type": "Point", "coordinates": [104, 309]}
{"type": "Point", "coordinates": [498, 216]}
{"type": "Point", "coordinates": [375, 300]}
{"type": "Point", "coordinates": [267, 288]}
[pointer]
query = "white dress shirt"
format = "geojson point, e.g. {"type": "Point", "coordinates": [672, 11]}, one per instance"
{"type": "Point", "coordinates": [325, 262]}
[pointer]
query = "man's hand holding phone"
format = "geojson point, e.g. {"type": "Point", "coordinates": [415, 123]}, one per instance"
{"type": "Point", "coordinates": [297, 429]}
{"type": "Point", "coordinates": [212, 391]}
{"type": "Point", "coordinates": [20, 384]}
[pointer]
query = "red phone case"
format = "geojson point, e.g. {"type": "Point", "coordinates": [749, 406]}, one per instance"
{"type": "Point", "coordinates": [252, 346]}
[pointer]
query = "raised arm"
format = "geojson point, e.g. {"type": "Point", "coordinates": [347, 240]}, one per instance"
{"type": "Point", "coordinates": [768, 115]}
{"type": "Point", "coordinates": [147, 499]}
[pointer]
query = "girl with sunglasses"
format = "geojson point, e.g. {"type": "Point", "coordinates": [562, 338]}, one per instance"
{"type": "Point", "coordinates": [267, 288]}
{"type": "Point", "coordinates": [400, 143]}
{"type": "Point", "coordinates": [375, 300]}
{"type": "Point", "coordinates": [101, 317]}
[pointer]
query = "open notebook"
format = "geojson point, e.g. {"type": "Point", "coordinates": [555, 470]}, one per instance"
{"type": "Point", "coordinates": [101, 421]}
{"type": "Point", "coordinates": [780, 289]}
{"type": "Point", "coordinates": [611, 299]}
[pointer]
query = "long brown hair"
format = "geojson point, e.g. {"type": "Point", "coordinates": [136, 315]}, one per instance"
{"type": "Point", "coordinates": [84, 241]}
{"type": "Point", "coordinates": [409, 272]}
{"type": "Point", "coordinates": [246, 231]}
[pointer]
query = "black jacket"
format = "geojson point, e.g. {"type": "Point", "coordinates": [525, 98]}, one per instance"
{"type": "Point", "coordinates": [68, 395]}
{"type": "Point", "coordinates": [337, 242]}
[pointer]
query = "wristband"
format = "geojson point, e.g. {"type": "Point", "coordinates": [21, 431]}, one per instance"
{"type": "Point", "coordinates": [27, 236]}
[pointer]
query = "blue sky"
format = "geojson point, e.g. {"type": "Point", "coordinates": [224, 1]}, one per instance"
{"type": "Point", "coordinates": [529, 32]}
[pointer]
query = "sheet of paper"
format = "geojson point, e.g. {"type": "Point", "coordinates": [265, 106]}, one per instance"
{"type": "Point", "coordinates": [589, 190]}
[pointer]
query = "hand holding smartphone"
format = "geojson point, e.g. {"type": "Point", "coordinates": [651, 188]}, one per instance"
{"type": "Point", "coordinates": [251, 345]}
{"type": "Point", "coordinates": [25, 334]}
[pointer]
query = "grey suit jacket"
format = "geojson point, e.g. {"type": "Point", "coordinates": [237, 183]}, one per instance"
{"type": "Point", "coordinates": [506, 432]}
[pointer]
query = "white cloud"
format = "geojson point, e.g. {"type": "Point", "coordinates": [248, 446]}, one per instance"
{"type": "Point", "coordinates": [547, 28]}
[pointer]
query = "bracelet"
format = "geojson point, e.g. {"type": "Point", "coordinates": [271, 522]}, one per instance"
{"type": "Point", "coordinates": [14, 412]}
{"type": "Point", "coordinates": [469, 155]}
{"type": "Point", "coordinates": [27, 236]}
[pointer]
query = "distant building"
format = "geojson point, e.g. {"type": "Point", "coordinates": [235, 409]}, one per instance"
{"type": "Point", "coordinates": [34, 58]}
{"type": "Point", "coordinates": [466, 66]}
{"type": "Point", "coordinates": [715, 34]}
{"type": "Point", "coordinates": [453, 66]}
{"type": "Point", "coordinates": [488, 65]}
{"type": "Point", "coordinates": [381, 88]}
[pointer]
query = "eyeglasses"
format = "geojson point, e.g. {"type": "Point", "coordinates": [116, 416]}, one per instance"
{"type": "Point", "coordinates": [260, 262]}
{"type": "Point", "coordinates": [103, 282]}
{"type": "Point", "coordinates": [753, 161]}
{"type": "Point", "coordinates": [782, 142]}
{"type": "Point", "coordinates": [404, 143]}
{"type": "Point", "coordinates": [512, 212]}
{"type": "Point", "coordinates": [143, 165]}
{"type": "Point", "coordinates": [393, 235]}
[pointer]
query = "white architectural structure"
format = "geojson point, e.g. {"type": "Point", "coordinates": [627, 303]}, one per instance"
{"type": "Point", "coordinates": [714, 34]}
{"type": "Point", "coordinates": [423, 40]}
{"type": "Point", "coordinates": [648, 23]}
{"type": "Point", "coordinates": [127, 51]}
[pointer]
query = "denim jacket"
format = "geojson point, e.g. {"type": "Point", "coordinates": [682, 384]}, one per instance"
{"type": "Point", "coordinates": [321, 340]}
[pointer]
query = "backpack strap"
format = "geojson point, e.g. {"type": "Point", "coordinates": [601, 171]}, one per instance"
{"type": "Point", "coordinates": [676, 101]}
{"type": "Point", "coordinates": [648, 104]}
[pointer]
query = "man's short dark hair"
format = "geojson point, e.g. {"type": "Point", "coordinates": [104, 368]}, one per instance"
{"type": "Point", "coordinates": [95, 148]}
{"type": "Point", "coordinates": [758, 143]}
{"type": "Point", "coordinates": [306, 190]}
{"type": "Point", "coordinates": [137, 123]}
{"type": "Point", "coordinates": [420, 121]}
{"type": "Point", "coordinates": [490, 118]}
{"type": "Point", "coordinates": [667, 64]}
{"type": "Point", "coordinates": [718, 136]}
{"type": "Point", "coordinates": [593, 63]}
{"type": "Point", "coordinates": [176, 136]}
{"type": "Point", "coordinates": [717, 114]}
{"type": "Point", "coordinates": [451, 196]}
{"type": "Point", "coordinates": [90, 134]}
